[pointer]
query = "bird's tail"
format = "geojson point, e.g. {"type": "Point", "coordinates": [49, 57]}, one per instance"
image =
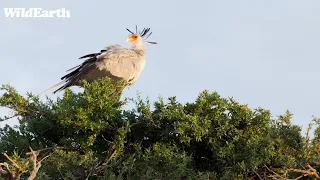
{"type": "Point", "coordinates": [58, 84]}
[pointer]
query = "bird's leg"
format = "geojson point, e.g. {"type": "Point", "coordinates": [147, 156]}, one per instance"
{"type": "Point", "coordinates": [121, 87]}
{"type": "Point", "coordinates": [118, 90]}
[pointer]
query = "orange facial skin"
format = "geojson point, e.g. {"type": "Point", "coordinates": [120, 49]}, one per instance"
{"type": "Point", "coordinates": [132, 38]}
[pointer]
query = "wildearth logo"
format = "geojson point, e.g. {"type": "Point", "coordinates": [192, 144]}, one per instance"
{"type": "Point", "coordinates": [36, 13]}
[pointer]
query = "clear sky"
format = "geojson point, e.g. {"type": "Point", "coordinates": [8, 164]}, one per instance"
{"type": "Point", "coordinates": [264, 53]}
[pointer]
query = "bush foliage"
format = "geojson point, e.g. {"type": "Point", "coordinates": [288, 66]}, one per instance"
{"type": "Point", "coordinates": [89, 135]}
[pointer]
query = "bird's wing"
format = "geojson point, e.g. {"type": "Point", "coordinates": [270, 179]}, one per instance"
{"type": "Point", "coordinates": [114, 61]}
{"type": "Point", "coordinates": [84, 70]}
{"type": "Point", "coordinates": [93, 56]}
{"type": "Point", "coordinates": [122, 64]}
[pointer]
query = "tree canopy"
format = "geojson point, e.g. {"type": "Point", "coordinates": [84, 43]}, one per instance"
{"type": "Point", "coordinates": [89, 135]}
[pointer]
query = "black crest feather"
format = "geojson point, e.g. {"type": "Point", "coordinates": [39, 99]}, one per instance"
{"type": "Point", "coordinates": [145, 33]}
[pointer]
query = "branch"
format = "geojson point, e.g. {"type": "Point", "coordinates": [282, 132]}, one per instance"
{"type": "Point", "coordinates": [52, 148]}
{"type": "Point", "coordinates": [12, 161]}
{"type": "Point", "coordinates": [314, 171]}
{"type": "Point", "coordinates": [8, 175]}
{"type": "Point", "coordinates": [36, 164]}
{"type": "Point", "coordinates": [18, 169]}
{"type": "Point", "coordinates": [5, 171]}
{"type": "Point", "coordinates": [39, 151]}
{"type": "Point", "coordinates": [310, 171]}
{"type": "Point", "coordinates": [5, 118]}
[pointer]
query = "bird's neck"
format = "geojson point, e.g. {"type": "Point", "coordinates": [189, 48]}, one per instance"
{"type": "Point", "coordinates": [139, 52]}
{"type": "Point", "coordinates": [138, 45]}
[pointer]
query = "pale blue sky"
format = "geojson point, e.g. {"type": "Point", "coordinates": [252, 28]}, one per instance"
{"type": "Point", "coordinates": [261, 52]}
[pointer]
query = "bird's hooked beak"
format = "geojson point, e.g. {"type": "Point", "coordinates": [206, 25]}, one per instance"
{"type": "Point", "coordinates": [128, 40]}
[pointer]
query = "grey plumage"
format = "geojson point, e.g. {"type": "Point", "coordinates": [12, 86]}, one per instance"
{"type": "Point", "coordinates": [114, 61]}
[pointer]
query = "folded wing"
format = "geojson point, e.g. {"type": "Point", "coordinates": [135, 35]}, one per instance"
{"type": "Point", "coordinates": [115, 62]}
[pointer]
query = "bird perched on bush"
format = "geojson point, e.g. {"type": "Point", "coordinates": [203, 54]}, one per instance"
{"type": "Point", "coordinates": [115, 62]}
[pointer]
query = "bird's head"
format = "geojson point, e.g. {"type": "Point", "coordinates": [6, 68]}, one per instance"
{"type": "Point", "coordinates": [138, 38]}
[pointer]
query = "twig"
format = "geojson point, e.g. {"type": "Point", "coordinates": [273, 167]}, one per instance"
{"type": "Point", "coordinates": [303, 175]}
{"type": "Point", "coordinates": [307, 135]}
{"type": "Point", "coordinates": [275, 175]}
{"type": "Point", "coordinates": [114, 153]}
{"type": "Point", "coordinates": [98, 168]}
{"type": "Point", "coordinates": [60, 173]}
{"type": "Point", "coordinates": [258, 175]}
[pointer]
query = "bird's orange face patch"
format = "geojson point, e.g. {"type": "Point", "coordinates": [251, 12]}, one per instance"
{"type": "Point", "coordinates": [132, 38]}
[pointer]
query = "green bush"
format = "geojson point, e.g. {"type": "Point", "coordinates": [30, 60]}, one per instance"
{"type": "Point", "coordinates": [90, 135]}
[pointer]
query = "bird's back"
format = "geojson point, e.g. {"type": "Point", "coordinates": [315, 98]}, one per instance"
{"type": "Point", "coordinates": [122, 63]}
